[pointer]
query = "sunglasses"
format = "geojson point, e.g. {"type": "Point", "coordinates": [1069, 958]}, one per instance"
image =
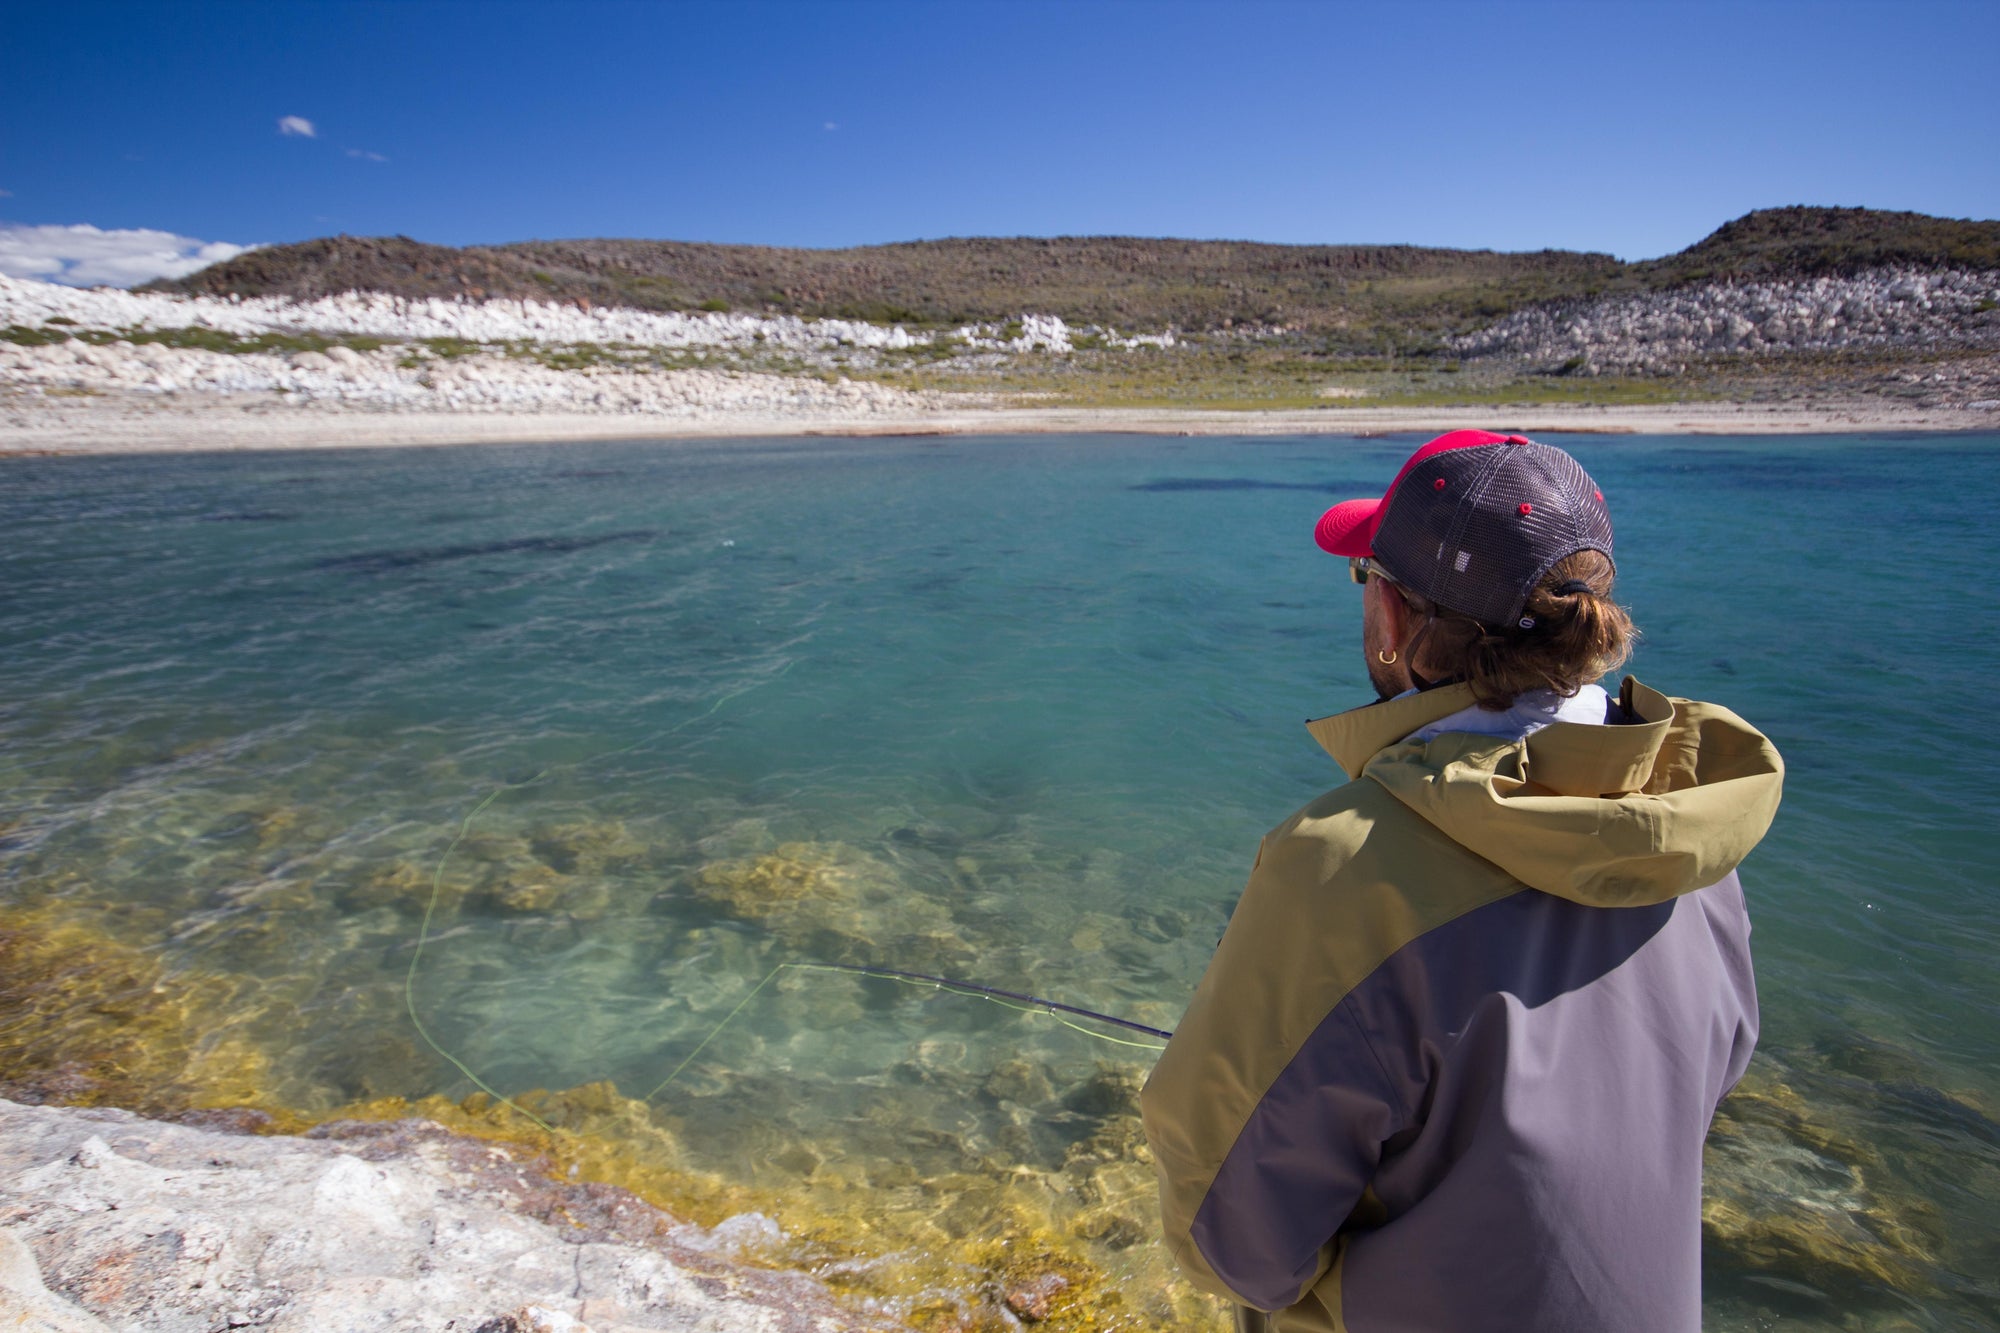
{"type": "Point", "coordinates": [1359, 567]}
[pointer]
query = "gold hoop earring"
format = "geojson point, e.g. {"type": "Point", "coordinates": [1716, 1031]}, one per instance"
{"type": "Point", "coordinates": [1386, 659]}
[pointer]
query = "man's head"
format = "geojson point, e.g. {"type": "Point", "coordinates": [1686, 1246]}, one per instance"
{"type": "Point", "coordinates": [1488, 560]}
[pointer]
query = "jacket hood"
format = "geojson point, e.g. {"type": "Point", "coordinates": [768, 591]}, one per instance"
{"type": "Point", "coordinates": [1621, 815]}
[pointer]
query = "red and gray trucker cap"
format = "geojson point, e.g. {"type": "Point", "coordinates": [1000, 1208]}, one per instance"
{"type": "Point", "coordinates": [1473, 522]}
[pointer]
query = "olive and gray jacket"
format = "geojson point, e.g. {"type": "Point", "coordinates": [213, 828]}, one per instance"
{"type": "Point", "coordinates": [1453, 1062]}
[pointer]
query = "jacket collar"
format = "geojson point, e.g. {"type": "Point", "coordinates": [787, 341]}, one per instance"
{"type": "Point", "coordinates": [1359, 734]}
{"type": "Point", "coordinates": [1567, 758]}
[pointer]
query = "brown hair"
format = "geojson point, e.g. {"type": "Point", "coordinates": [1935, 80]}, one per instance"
{"type": "Point", "coordinates": [1577, 637]}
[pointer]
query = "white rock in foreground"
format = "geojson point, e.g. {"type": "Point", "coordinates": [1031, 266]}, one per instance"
{"type": "Point", "coordinates": [368, 1228]}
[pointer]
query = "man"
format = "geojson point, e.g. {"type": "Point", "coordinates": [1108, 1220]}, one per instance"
{"type": "Point", "coordinates": [1453, 1061]}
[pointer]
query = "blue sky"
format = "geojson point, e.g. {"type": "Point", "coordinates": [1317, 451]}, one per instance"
{"type": "Point", "coordinates": [1624, 127]}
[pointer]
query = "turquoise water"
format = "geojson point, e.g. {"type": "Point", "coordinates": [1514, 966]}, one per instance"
{"type": "Point", "coordinates": [1014, 710]}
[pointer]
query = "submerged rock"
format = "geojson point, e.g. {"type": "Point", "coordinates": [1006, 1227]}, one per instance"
{"type": "Point", "coordinates": [400, 884]}
{"type": "Point", "coordinates": [834, 903]}
{"type": "Point", "coordinates": [819, 877]}
{"type": "Point", "coordinates": [1031, 1299]}
{"type": "Point", "coordinates": [1113, 1090]}
{"type": "Point", "coordinates": [95, 1022]}
{"type": "Point", "coordinates": [590, 847]}
{"type": "Point", "coordinates": [1792, 1197]}
{"type": "Point", "coordinates": [532, 889]}
{"type": "Point", "coordinates": [1022, 1081]}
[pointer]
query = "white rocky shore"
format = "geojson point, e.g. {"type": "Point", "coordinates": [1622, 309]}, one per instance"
{"type": "Point", "coordinates": [97, 345]}
{"type": "Point", "coordinates": [30, 303]}
{"type": "Point", "coordinates": [102, 370]}
{"type": "Point", "coordinates": [112, 1222]}
{"type": "Point", "coordinates": [394, 379]}
{"type": "Point", "coordinates": [1662, 332]}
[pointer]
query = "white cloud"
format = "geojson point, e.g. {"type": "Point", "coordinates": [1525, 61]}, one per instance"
{"type": "Point", "coordinates": [298, 125]}
{"type": "Point", "coordinates": [365, 155]}
{"type": "Point", "coordinates": [6, 194]}
{"type": "Point", "coordinates": [831, 125]}
{"type": "Point", "coordinates": [85, 256]}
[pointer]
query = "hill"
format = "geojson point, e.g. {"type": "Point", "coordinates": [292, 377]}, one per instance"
{"type": "Point", "coordinates": [1363, 298]}
{"type": "Point", "coordinates": [1816, 242]}
{"type": "Point", "coordinates": [1125, 282]}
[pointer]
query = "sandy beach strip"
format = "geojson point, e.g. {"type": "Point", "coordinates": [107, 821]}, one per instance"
{"type": "Point", "coordinates": [121, 424]}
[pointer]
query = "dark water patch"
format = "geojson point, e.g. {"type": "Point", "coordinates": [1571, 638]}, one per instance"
{"type": "Point", "coordinates": [1939, 1113]}
{"type": "Point", "coordinates": [586, 473]}
{"type": "Point", "coordinates": [382, 562]}
{"type": "Point", "coordinates": [252, 516]}
{"type": "Point", "coordinates": [930, 837]}
{"type": "Point", "coordinates": [1778, 472]}
{"type": "Point", "coordinates": [1174, 485]}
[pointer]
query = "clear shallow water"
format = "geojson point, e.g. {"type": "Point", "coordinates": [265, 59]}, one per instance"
{"type": "Point", "coordinates": [1015, 710]}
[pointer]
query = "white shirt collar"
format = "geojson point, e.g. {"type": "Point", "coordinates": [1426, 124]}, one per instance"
{"type": "Point", "coordinates": [1531, 712]}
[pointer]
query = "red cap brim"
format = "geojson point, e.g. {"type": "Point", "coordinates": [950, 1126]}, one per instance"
{"type": "Point", "coordinates": [1348, 528]}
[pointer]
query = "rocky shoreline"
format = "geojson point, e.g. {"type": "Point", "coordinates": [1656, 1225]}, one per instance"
{"type": "Point", "coordinates": [103, 370]}
{"type": "Point", "coordinates": [112, 1221]}
{"type": "Point", "coordinates": [1663, 333]}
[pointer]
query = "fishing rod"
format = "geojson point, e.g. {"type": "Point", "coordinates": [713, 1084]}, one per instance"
{"type": "Point", "coordinates": [970, 988]}
{"type": "Point", "coordinates": [1032, 1004]}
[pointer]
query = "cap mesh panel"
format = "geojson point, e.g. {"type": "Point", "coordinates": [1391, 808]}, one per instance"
{"type": "Point", "coordinates": [1468, 546]}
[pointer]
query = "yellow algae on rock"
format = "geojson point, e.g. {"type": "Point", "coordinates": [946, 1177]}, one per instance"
{"type": "Point", "coordinates": [94, 1022]}
{"type": "Point", "coordinates": [968, 1233]}
{"type": "Point", "coordinates": [775, 884]}
{"type": "Point", "coordinates": [834, 903]}
{"type": "Point", "coordinates": [918, 1219]}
